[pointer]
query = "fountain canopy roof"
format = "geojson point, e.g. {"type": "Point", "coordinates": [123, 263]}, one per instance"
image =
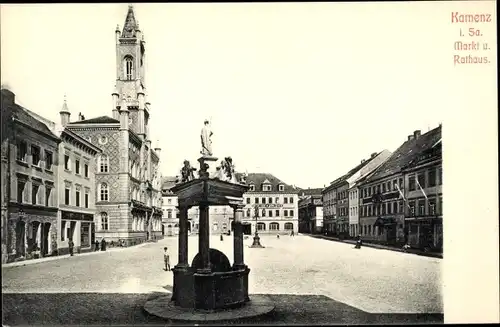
{"type": "Point", "coordinates": [209, 191]}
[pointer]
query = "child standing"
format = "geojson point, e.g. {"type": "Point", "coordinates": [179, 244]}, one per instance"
{"type": "Point", "coordinates": [166, 258]}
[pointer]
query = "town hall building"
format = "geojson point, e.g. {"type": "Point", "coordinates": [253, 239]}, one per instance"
{"type": "Point", "coordinates": [128, 180]}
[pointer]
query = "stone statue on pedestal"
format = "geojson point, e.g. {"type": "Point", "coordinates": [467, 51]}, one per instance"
{"type": "Point", "coordinates": [206, 142]}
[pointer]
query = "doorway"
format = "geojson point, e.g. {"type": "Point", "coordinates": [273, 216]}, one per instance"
{"type": "Point", "coordinates": [20, 237]}
{"type": "Point", "coordinates": [247, 229]}
{"type": "Point", "coordinates": [45, 239]}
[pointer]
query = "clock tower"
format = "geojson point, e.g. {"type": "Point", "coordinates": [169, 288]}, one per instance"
{"type": "Point", "coordinates": [130, 87]}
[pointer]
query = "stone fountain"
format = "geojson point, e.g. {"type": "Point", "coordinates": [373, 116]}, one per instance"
{"type": "Point", "coordinates": [210, 289]}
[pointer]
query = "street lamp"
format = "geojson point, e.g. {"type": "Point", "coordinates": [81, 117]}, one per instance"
{"type": "Point", "coordinates": [256, 238]}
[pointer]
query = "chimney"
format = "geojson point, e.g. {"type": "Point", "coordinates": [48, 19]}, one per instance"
{"type": "Point", "coordinates": [410, 137]}
{"type": "Point", "coordinates": [363, 160]}
{"type": "Point", "coordinates": [417, 133]}
{"type": "Point", "coordinates": [374, 154]}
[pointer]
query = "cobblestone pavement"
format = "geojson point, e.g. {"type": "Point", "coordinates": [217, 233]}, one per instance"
{"type": "Point", "coordinates": [368, 279]}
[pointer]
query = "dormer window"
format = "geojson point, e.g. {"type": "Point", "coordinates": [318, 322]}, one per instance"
{"type": "Point", "coordinates": [266, 187]}
{"type": "Point", "coordinates": [281, 187]}
{"type": "Point", "coordinates": [252, 187]}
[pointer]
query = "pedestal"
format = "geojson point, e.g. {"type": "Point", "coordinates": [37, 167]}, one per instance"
{"type": "Point", "coordinates": [256, 242]}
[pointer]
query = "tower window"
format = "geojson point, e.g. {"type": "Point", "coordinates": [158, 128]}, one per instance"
{"type": "Point", "coordinates": [129, 68]}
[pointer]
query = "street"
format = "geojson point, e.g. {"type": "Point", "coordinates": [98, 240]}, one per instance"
{"type": "Point", "coordinates": [372, 280]}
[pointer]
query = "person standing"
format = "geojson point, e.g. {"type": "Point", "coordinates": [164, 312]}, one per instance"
{"type": "Point", "coordinates": [96, 245]}
{"type": "Point", "coordinates": [166, 258]}
{"type": "Point", "coordinates": [71, 246]}
{"type": "Point", "coordinates": [103, 244]}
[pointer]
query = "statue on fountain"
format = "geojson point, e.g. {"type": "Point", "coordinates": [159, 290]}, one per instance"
{"type": "Point", "coordinates": [206, 142]}
{"type": "Point", "coordinates": [187, 172]}
{"type": "Point", "coordinates": [225, 172]}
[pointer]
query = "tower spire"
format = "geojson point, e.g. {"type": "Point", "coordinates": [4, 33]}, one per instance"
{"type": "Point", "coordinates": [65, 105]}
{"type": "Point", "coordinates": [130, 25]}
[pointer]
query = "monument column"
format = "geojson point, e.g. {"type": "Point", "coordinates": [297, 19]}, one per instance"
{"type": "Point", "coordinates": [183, 238]}
{"type": "Point", "coordinates": [238, 236]}
{"type": "Point", "coordinates": [204, 238]}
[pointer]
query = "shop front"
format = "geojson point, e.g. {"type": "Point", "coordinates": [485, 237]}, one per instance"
{"type": "Point", "coordinates": [80, 228]}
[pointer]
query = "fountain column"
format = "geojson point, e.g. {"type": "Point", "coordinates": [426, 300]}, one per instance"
{"type": "Point", "coordinates": [238, 237]}
{"type": "Point", "coordinates": [183, 238]}
{"type": "Point", "coordinates": [204, 239]}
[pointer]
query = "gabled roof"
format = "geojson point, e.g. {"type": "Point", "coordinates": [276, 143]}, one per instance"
{"type": "Point", "coordinates": [130, 25]}
{"type": "Point", "coordinates": [309, 191]}
{"type": "Point", "coordinates": [351, 172]}
{"type": "Point", "coordinates": [406, 153]}
{"type": "Point", "coordinates": [19, 113]}
{"type": "Point", "coordinates": [97, 120]}
{"type": "Point", "coordinates": [167, 182]}
{"type": "Point", "coordinates": [259, 178]}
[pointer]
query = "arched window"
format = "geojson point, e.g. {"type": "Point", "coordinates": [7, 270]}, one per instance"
{"type": "Point", "coordinates": [104, 163]}
{"type": "Point", "coordinates": [104, 192]}
{"type": "Point", "coordinates": [288, 226]}
{"type": "Point", "coordinates": [104, 221]}
{"type": "Point", "coordinates": [129, 68]}
{"type": "Point", "coordinates": [274, 226]}
{"type": "Point", "coordinates": [261, 226]}
{"type": "Point", "coordinates": [169, 213]}
{"type": "Point", "coordinates": [263, 212]}
{"type": "Point", "coordinates": [249, 214]}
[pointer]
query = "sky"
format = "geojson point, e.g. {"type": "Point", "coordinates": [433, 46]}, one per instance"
{"type": "Point", "coordinates": [304, 91]}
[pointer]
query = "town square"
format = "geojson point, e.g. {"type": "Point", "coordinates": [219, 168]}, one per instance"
{"type": "Point", "coordinates": [224, 164]}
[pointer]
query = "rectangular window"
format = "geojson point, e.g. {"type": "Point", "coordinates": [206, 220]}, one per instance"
{"type": "Point", "coordinates": [421, 208]}
{"type": "Point", "coordinates": [270, 200]}
{"type": "Point", "coordinates": [20, 191]}
{"type": "Point", "coordinates": [22, 151]}
{"type": "Point", "coordinates": [63, 230]}
{"type": "Point", "coordinates": [291, 200]}
{"type": "Point", "coordinates": [35, 155]}
{"type": "Point", "coordinates": [411, 183]}
{"type": "Point", "coordinates": [263, 212]}
{"type": "Point", "coordinates": [432, 178]}
{"type": "Point", "coordinates": [66, 162]}
{"type": "Point", "coordinates": [263, 200]}
{"type": "Point", "coordinates": [285, 200]}
{"type": "Point", "coordinates": [270, 213]}
{"type": "Point", "coordinates": [48, 191]}
{"type": "Point", "coordinates": [256, 200]}
{"type": "Point", "coordinates": [66, 196]}
{"type": "Point", "coordinates": [440, 205]}
{"type": "Point", "coordinates": [395, 207]}
{"type": "Point", "coordinates": [277, 200]}
{"type": "Point", "coordinates": [291, 213]}
{"type": "Point", "coordinates": [77, 167]}
{"type": "Point", "coordinates": [411, 205]}
{"type": "Point", "coordinates": [48, 160]}
{"type": "Point", "coordinates": [383, 188]}
{"type": "Point", "coordinates": [277, 213]}
{"type": "Point", "coordinates": [248, 200]}
{"type": "Point", "coordinates": [421, 180]}
{"type": "Point", "coordinates": [401, 208]}
{"type": "Point", "coordinates": [285, 212]}
{"type": "Point", "coordinates": [432, 207]}
{"type": "Point", "coordinates": [77, 198]}
{"type": "Point", "coordinates": [388, 186]}
{"type": "Point", "coordinates": [34, 193]}
{"type": "Point", "coordinates": [86, 170]}
{"type": "Point", "coordinates": [86, 200]}
{"type": "Point", "coordinates": [440, 176]}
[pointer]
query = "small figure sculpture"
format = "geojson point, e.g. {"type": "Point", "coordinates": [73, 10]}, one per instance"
{"type": "Point", "coordinates": [229, 169]}
{"type": "Point", "coordinates": [187, 172]}
{"type": "Point", "coordinates": [206, 142]}
{"type": "Point", "coordinates": [243, 178]}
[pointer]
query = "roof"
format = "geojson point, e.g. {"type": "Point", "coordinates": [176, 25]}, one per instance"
{"type": "Point", "coordinates": [259, 178]}
{"type": "Point", "coordinates": [167, 182]}
{"type": "Point", "coordinates": [19, 113]}
{"type": "Point", "coordinates": [351, 172]}
{"type": "Point", "coordinates": [406, 153]}
{"type": "Point", "coordinates": [309, 191]}
{"type": "Point", "coordinates": [97, 120]}
{"type": "Point", "coordinates": [130, 25]}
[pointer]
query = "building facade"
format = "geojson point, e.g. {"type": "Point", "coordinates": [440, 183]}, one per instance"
{"type": "Point", "coordinates": [424, 177]}
{"type": "Point", "coordinates": [383, 204]}
{"type": "Point", "coordinates": [329, 199]}
{"type": "Point", "coordinates": [311, 214]}
{"type": "Point", "coordinates": [271, 206]}
{"type": "Point", "coordinates": [128, 181]}
{"type": "Point", "coordinates": [29, 179]}
{"type": "Point", "coordinates": [170, 220]}
{"type": "Point", "coordinates": [76, 182]}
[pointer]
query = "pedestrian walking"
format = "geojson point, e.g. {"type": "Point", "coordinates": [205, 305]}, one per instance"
{"type": "Point", "coordinates": [277, 236]}
{"type": "Point", "coordinates": [359, 242]}
{"type": "Point", "coordinates": [166, 258]}
{"type": "Point", "coordinates": [71, 246]}
{"type": "Point", "coordinates": [103, 244]}
{"type": "Point", "coordinates": [96, 245]}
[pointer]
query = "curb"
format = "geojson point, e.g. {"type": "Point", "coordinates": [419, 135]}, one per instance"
{"type": "Point", "coordinates": [48, 259]}
{"type": "Point", "coordinates": [380, 247]}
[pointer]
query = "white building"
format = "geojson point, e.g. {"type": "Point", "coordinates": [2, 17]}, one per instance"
{"type": "Point", "coordinates": [275, 204]}
{"type": "Point", "coordinates": [170, 222]}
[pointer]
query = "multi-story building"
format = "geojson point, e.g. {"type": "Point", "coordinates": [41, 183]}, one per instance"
{"type": "Point", "coordinates": [340, 224]}
{"type": "Point", "coordinates": [382, 194]}
{"type": "Point", "coordinates": [329, 199]}
{"type": "Point", "coordinates": [219, 219]}
{"type": "Point", "coordinates": [29, 182]}
{"type": "Point", "coordinates": [128, 182]}
{"type": "Point", "coordinates": [170, 220]}
{"type": "Point", "coordinates": [310, 211]}
{"type": "Point", "coordinates": [271, 206]}
{"type": "Point", "coordinates": [77, 161]}
{"type": "Point", "coordinates": [424, 177]}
